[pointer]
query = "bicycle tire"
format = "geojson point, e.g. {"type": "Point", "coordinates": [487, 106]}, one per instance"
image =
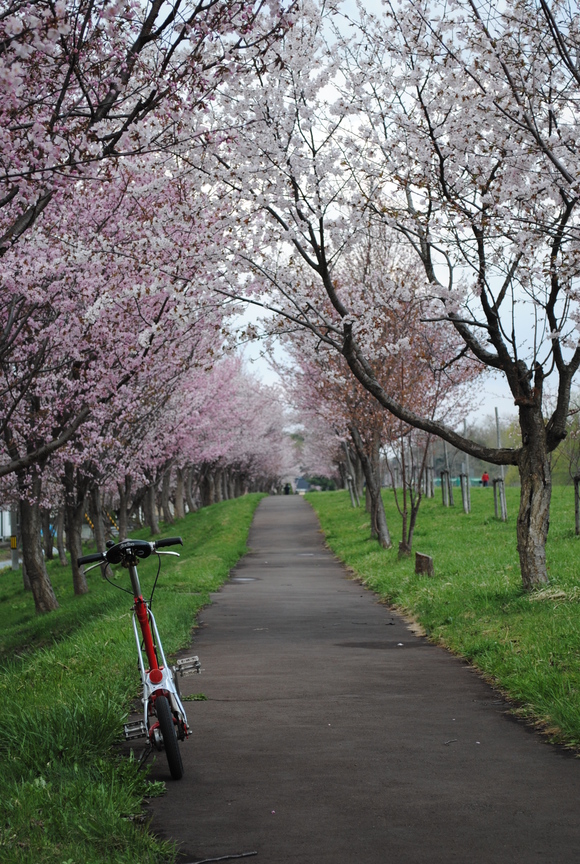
{"type": "Point", "coordinates": [169, 735]}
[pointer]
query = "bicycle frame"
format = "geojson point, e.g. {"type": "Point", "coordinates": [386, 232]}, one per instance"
{"type": "Point", "coordinates": [158, 677]}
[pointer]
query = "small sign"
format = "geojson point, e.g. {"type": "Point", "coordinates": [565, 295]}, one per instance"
{"type": "Point", "coordinates": [14, 542]}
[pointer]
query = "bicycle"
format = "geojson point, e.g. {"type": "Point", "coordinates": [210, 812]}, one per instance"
{"type": "Point", "coordinates": [164, 722]}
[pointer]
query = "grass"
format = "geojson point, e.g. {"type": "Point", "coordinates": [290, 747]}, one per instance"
{"type": "Point", "coordinates": [67, 683]}
{"type": "Point", "coordinates": [527, 645]}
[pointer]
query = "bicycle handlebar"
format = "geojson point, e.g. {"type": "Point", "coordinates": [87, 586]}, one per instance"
{"type": "Point", "coordinates": [88, 559]}
{"type": "Point", "coordinates": [169, 541]}
{"type": "Point", "coordinates": [135, 548]}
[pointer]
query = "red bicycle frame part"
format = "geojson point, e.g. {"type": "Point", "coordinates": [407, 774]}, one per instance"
{"type": "Point", "coordinates": [142, 614]}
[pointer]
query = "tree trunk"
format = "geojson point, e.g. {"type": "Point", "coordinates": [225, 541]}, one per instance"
{"type": "Point", "coordinates": [33, 559]}
{"type": "Point", "coordinates": [358, 476]}
{"type": "Point", "coordinates": [179, 490]}
{"type": "Point", "coordinates": [536, 492]}
{"type": "Point", "coordinates": [97, 512]}
{"type": "Point", "coordinates": [238, 486]}
{"type": "Point", "coordinates": [136, 507]}
{"type": "Point", "coordinates": [371, 468]}
{"type": "Point", "coordinates": [74, 508]}
{"type": "Point", "coordinates": [368, 500]}
{"type": "Point", "coordinates": [191, 505]}
{"type": "Point", "coordinates": [165, 490]}
{"type": "Point", "coordinates": [47, 537]}
{"type": "Point", "coordinates": [150, 508]}
{"type": "Point", "coordinates": [124, 490]}
{"type": "Point", "coordinates": [60, 537]}
{"type": "Point", "coordinates": [207, 489]}
{"type": "Point", "coordinates": [25, 580]}
{"type": "Point", "coordinates": [218, 485]}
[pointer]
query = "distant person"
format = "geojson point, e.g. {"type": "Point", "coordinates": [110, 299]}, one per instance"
{"type": "Point", "coordinates": [287, 489]}
{"type": "Point", "coordinates": [485, 479]}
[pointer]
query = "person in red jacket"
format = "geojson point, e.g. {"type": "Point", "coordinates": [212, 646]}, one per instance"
{"type": "Point", "coordinates": [485, 479]}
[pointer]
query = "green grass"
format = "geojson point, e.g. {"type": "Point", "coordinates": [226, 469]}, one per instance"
{"type": "Point", "coordinates": [527, 645]}
{"type": "Point", "coordinates": [67, 683]}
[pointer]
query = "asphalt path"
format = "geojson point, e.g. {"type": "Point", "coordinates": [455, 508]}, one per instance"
{"type": "Point", "coordinates": [332, 734]}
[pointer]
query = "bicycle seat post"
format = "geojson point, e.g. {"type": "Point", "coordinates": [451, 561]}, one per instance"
{"type": "Point", "coordinates": [134, 576]}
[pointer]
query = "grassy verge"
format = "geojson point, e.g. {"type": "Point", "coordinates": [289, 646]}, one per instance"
{"type": "Point", "coordinates": [66, 685]}
{"type": "Point", "coordinates": [526, 645]}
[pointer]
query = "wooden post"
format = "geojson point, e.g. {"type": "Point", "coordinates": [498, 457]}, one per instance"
{"type": "Point", "coordinates": [423, 564]}
{"type": "Point", "coordinates": [445, 488]}
{"type": "Point", "coordinates": [503, 501]}
{"type": "Point", "coordinates": [577, 502]}
{"type": "Point", "coordinates": [499, 500]}
{"type": "Point", "coordinates": [429, 481]}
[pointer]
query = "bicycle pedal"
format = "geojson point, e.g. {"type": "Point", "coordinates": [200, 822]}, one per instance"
{"type": "Point", "coordinates": [188, 665]}
{"type": "Point", "coordinates": [135, 729]}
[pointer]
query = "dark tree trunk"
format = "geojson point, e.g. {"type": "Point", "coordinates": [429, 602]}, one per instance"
{"type": "Point", "coordinates": [97, 513]}
{"type": "Point", "coordinates": [207, 489]}
{"type": "Point", "coordinates": [60, 537]}
{"type": "Point", "coordinates": [359, 476]}
{"type": "Point", "coordinates": [150, 508]}
{"type": "Point", "coordinates": [47, 535]}
{"type": "Point", "coordinates": [218, 485]}
{"type": "Point", "coordinates": [179, 491]}
{"type": "Point", "coordinates": [74, 508]}
{"type": "Point", "coordinates": [136, 507]}
{"type": "Point", "coordinates": [124, 495]}
{"type": "Point", "coordinates": [238, 486]}
{"type": "Point", "coordinates": [165, 490]}
{"type": "Point", "coordinates": [33, 559]}
{"type": "Point", "coordinates": [536, 492]}
{"type": "Point", "coordinates": [25, 580]}
{"type": "Point", "coordinates": [189, 478]}
{"type": "Point", "coordinates": [371, 468]}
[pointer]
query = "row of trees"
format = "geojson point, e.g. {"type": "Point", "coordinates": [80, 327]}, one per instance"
{"type": "Point", "coordinates": [401, 191]}
{"type": "Point", "coordinates": [110, 327]}
{"type": "Point", "coordinates": [219, 434]}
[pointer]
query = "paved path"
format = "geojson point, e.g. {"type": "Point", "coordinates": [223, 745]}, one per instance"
{"type": "Point", "coordinates": [332, 735]}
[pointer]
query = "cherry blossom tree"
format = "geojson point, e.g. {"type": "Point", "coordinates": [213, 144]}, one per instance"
{"type": "Point", "coordinates": [95, 96]}
{"type": "Point", "coordinates": [84, 82]}
{"type": "Point", "coordinates": [456, 129]}
{"type": "Point", "coordinates": [417, 374]}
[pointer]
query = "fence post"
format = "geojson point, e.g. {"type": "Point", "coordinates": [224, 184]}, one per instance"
{"type": "Point", "coordinates": [577, 502]}
{"type": "Point", "coordinates": [465, 496]}
{"type": "Point", "coordinates": [429, 482]}
{"type": "Point", "coordinates": [499, 499]}
{"type": "Point", "coordinates": [445, 488]}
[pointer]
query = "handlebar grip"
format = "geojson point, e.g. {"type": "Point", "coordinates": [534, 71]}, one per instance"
{"type": "Point", "coordinates": [89, 559]}
{"type": "Point", "coordinates": [169, 541]}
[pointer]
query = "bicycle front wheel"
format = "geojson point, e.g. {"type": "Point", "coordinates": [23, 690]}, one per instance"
{"type": "Point", "coordinates": [169, 735]}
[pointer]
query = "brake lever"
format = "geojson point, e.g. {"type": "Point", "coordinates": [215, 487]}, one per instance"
{"type": "Point", "coordinates": [92, 567]}
{"type": "Point", "coordinates": [168, 553]}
